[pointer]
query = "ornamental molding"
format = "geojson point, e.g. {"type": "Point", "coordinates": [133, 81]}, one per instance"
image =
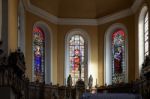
{"type": "Point", "coordinates": [77, 21]}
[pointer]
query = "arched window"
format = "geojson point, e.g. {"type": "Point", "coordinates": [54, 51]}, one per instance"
{"type": "Point", "coordinates": [77, 51]}
{"type": "Point", "coordinates": [143, 36]}
{"type": "Point", "coordinates": [146, 35]}
{"type": "Point", "coordinates": [42, 53]}
{"type": "Point", "coordinates": [118, 56]}
{"type": "Point", "coordinates": [39, 54]}
{"type": "Point", "coordinates": [77, 56]}
{"type": "Point", "coordinates": [21, 27]}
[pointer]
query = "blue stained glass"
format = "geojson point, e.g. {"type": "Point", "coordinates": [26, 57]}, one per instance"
{"type": "Point", "coordinates": [38, 49]}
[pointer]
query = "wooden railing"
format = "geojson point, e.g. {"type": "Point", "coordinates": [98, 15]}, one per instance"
{"type": "Point", "coordinates": [12, 69]}
{"type": "Point", "coordinates": [42, 91]}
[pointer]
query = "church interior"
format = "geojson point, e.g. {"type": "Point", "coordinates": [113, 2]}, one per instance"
{"type": "Point", "coordinates": [75, 49]}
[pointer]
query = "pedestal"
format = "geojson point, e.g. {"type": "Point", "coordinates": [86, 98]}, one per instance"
{"type": "Point", "coordinates": [80, 88]}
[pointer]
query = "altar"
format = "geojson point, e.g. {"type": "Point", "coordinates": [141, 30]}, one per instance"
{"type": "Point", "coordinates": [111, 96]}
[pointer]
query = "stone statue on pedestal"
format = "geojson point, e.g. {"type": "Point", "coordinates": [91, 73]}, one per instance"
{"type": "Point", "coordinates": [90, 82]}
{"type": "Point", "coordinates": [69, 81]}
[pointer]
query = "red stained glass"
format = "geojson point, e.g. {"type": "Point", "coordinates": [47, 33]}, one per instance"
{"type": "Point", "coordinates": [76, 46]}
{"type": "Point", "coordinates": [118, 56]}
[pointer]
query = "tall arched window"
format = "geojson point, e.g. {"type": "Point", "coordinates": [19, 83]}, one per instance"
{"type": "Point", "coordinates": [77, 56]}
{"type": "Point", "coordinates": [21, 26]}
{"type": "Point", "coordinates": [143, 36]}
{"type": "Point", "coordinates": [118, 56]}
{"type": "Point", "coordinates": [42, 53]}
{"type": "Point", "coordinates": [38, 54]}
{"type": "Point", "coordinates": [146, 35]}
{"type": "Point", "coordinates": [77, 51]}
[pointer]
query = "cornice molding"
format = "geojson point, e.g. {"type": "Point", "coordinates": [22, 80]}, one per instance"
{"type": "Point", "coordinates": [77, 21]}
{"type": "Point", "coordinates": [136, 5]}
{"type": "Point", "coordinates": [39, 12]}
{"type": "Point", "coordinates": [115, 16]}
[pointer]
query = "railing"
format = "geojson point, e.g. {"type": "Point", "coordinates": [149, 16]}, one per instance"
{"type": "Point", "coordinates": [12, 76]}
{"type": "Point", "coordinates": [141, 87]}
{"type": "Point", "coordinates": [42, 91]}
{"type": "Point", "coordinates": [12, 69]}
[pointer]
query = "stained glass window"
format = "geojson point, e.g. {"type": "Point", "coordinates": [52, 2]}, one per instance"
{"type": "Point", "coordinates": [77, 57]}
{"type": "Point", "coordinates": [38, 54]}
{"type": "Point", "coordinates": [118, 56]}
{"type": "Point", "coordinates": [146, 35]}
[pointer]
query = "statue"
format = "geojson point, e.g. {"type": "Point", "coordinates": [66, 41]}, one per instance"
{"type": "Point", "coordinates": [90, 82]}
{"type": "Point", "coordinates": [69, 81]}
{"type": "Point", "coordinates": [21, 56]}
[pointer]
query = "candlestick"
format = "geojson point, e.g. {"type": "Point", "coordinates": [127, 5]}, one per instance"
{"type": "Point", "coordinates": [85, 88]}
{"type": "Point", "coordinates": [96, 85]}
{"type": "Point", "coordinates": [96, 81]}
{"type": "Point", "coordinates": [65, 82]}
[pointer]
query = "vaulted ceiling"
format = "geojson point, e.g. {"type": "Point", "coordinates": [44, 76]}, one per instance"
{"type": "Point", "coordinates": [82, 8]}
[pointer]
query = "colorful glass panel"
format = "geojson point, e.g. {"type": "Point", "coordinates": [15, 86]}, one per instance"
{"type": "Point", "coordinates": [118, 56]}
{"type": "Point", "coordinates": [77, 57]}
{"type": "Point", "coordinates": [38, 53]}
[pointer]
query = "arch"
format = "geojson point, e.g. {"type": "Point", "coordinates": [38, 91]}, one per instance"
{"type": "Point", "coordinates": [21, 26]}
{"type": "Point", "coordinates": [108, 52]}
{"type": "Point", "coordinates": [85, 36]}
{"type": "Point", "coordinates": [141, 46]}
{"type": "Point", "coordinates": [48, 51]}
